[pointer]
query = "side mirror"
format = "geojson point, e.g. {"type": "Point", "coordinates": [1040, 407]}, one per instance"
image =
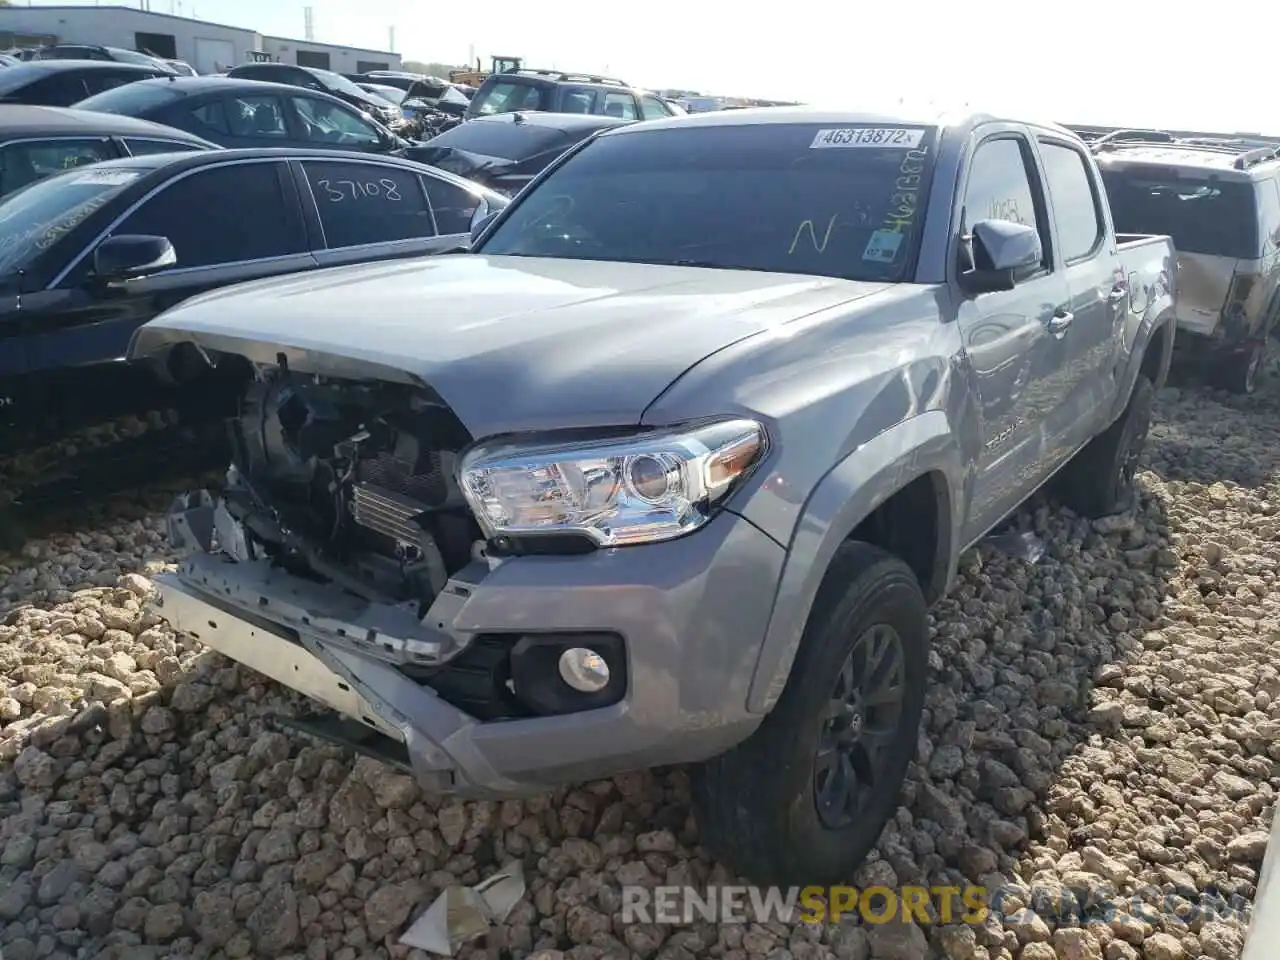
{"type": "Point", "coordinates": [1001, 248]}
{"type": "Point", "coordinates": [129, 257]}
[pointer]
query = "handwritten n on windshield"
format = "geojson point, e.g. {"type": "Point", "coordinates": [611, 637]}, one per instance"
{"type": "Point", "coordinates": [813, 236]}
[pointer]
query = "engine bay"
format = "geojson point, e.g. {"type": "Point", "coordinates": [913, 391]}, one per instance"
{"type": "Point", "coordinates": [353, 482]}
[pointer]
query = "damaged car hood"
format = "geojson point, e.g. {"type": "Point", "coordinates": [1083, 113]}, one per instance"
{"type": "Point", "coordinates": [510, 343]}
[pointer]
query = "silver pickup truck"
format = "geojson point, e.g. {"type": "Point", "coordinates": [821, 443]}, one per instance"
{"type": "Point", "coordinates": [669, 467]}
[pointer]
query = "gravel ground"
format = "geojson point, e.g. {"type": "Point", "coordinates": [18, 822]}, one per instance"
{"type": "Point", "coordinates": [1107, 716]}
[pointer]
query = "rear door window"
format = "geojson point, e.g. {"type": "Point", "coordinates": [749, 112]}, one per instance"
{"type": "Point", "coordinates": [361, 203]}
{"type": "Point", "coordinates": [621, 105]}
{"type": "Point", "coordinates": [210, 118]}
{"type": "Point", "coordinates": [256, 116]}
{"type": "Point", "coordinates": [578, 100]}
{"type": "Point", "coordinates": [242, 215]}
{"type": "Point", "coordinates": [32, 160]}
{"type": "Point", "coordinates": [507, 96]}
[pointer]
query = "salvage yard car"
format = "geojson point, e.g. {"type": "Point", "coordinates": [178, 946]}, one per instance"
{"type": "Point", "coordinates": [507, 150]}
{"type": "Point", "coordinates": [89, 255]}
{"type": "Point", "coordinates": [37, 142]}
{"type": "Point", "coordinates": [669, 468]}
{"type": "Point", "coordinates": [1219, 199]}
{"type": "Point", "coordinates": [249, 113]}
{"type": "Point", "coordinates": [63, 83]}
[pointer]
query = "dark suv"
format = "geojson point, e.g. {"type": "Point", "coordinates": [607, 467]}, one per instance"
{"type": "Point", "coordinates": [550, 91]}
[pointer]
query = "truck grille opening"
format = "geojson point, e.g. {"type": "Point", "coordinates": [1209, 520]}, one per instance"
{"type": "Point", "coordinates": [353, 482]}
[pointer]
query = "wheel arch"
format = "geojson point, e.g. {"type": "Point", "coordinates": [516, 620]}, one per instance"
{"type": "Point", "coordinates": [901, 491]}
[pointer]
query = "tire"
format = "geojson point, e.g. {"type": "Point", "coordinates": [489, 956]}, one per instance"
{"type": "Point", "coordinates": [1240, 373]}
{"type": "Point", "coordinates": [1098, 481]}
{"type": "Point", "coordinates": [757, 804]}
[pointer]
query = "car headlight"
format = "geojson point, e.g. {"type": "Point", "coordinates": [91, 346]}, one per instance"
{"type": "Point", "coordinates": [614, 491]}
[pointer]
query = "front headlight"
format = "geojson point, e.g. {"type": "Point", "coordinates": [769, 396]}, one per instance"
{"type": "Point", "coordinates": [616, 491]}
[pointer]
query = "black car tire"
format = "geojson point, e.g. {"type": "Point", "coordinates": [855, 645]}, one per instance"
{"type": "Point", "coordinates": [1098, 482]}
{"type": "Point", "coordinates": [756, 804]}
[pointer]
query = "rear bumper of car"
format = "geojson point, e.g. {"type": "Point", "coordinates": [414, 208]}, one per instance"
{"type": "Point", "coordinates": [689, 616]}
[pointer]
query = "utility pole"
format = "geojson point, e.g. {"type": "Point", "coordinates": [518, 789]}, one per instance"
{"type": "Point", "coordinates": [391, 38]}
{"type": "Point", "coordinates": [308, 26]}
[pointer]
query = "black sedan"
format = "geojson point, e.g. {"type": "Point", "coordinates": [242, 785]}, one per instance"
{"type": "Point", "coordinates": [249, 113]}
{"type": "Point", "coordinates": [325, 81]}
{"type": "Point", "coordinates": [507, 150]}
{"type": "Point", "coordinates": [37, 142]}
{"type": "Point", "coordinates": [61, 83]}
{"type": "Point", "coordinates": [89, 255]}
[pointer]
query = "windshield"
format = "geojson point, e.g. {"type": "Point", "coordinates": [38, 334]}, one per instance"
{"type": "Point", "coordinates": [336, 81]}
{"type": "Point", "coordinates": [386, 93]}
{"type": "Point", "coordinates": [1200, 212]}
{"type": "Point", "coordinates": [132, 99]}
{"type": "Point", "coordinates": [784, 198]}
{"type": "Point", "coordinates": [36, 217]}
{"type": "Point", "coordinates": [507, 96]}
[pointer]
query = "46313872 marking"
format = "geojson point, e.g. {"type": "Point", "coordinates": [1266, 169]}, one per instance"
{"type": "Point", "coordinates": [900, 138]}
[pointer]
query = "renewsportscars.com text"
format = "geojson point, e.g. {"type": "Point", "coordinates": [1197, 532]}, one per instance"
{"type": "Point", "coordinates": [742, 904]}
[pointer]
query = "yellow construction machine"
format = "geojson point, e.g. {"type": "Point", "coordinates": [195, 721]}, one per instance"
{"type": "Point", "coordinates": [478, 76]}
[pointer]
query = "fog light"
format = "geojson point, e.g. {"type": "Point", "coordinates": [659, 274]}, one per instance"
{"type": "Point", "coordinates": [584, 670]}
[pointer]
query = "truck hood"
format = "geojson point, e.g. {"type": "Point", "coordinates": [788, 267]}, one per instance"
{"type": "Point", "coordinates": [510, 343]}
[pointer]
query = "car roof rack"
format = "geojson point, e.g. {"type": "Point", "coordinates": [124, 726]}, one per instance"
{"type": "Point", "coordinates": [1247, 152]}
{"type": "Point", "coordinates": [570, 77]}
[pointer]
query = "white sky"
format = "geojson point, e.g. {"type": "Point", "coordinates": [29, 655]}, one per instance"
{"type": "Point", "coordinates": [1140, 62]}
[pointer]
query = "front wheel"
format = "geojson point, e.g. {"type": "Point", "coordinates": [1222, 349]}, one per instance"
{"type": "Point", "coordinates": [805, 797]}
{"type": "Point", "coordinates": [1241, 372]}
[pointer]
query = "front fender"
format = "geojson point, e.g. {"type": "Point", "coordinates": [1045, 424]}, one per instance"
{"type": "Point", "coordinates": [844, 497]}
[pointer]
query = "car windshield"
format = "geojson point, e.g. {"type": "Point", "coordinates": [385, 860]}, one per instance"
{"type": "Point", "coordinates": [1203, 214]}
{"type": "Point", "coordinates": [507, 96]}
{"type": "Point", "coordinates": [337, 82]}
{"type": "Point", "coordinates": [36, 217]}
{"type": "Point", "coordinates": [391, 94]}
{"type": "Point", "coordinates": [506, 141]}
{"type": "Point", "coordinates": [785, 198]}
{"type": "Point", "coordinates": [132, 99]}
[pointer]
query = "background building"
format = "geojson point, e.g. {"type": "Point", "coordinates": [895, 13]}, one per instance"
{"type": "Point", "coordinates": [209, 47]}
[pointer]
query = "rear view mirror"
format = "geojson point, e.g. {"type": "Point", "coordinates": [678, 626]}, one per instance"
{"type": "Point", "coordinates": [128, 257]}
{"type": "Point", "coordinates": [1000, 249]}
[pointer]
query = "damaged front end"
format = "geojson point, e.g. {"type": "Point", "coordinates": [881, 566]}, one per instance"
{"type": "Point", "coordinates": [341, 551]}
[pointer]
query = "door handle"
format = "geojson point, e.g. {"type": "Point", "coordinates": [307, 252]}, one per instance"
{"type": "Point", "coordinates": [1059, 322]}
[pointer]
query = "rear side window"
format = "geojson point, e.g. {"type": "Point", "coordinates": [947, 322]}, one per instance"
{"type": "Point", "coordinates": [507, 96]}
{"type": "Point", "coordinates": [242, 216]}
{"type": "Point", "coordinates": [578, 100]}
{"type": "Point", "coordinates": [363, 203]}
{"type": "Point", "coordinates": [651, 108]}
{"type": "Point", "coordinates": [132, 99]}
{"type": "Point", "coordinates": [1202, 213]}
{"type": "Point", "coordinates": [452, 205]}
{"type": "Point", "coordinates": [139, 147]}
{"type": "Point", "coordinates": [23, 163]}
{"type": "Point", "coordinates": [99, 81]}
{"type": "Point", "coordinates": [1269, 201]}
{"type": "Point", "coordinates": [210, 118]}
{"type": "Point", "coordinates": [59, 90]}
{"type": "Point", "coordinates": [1075, 208]}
